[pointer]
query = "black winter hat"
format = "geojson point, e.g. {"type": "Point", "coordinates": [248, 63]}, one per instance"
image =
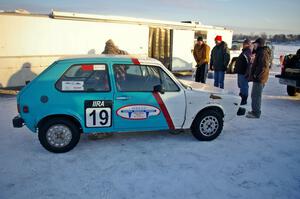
{"type": "Point", "coordinates": [260, 41]}
{"type": "Point", "coordinates": [247, 41]}
{"type": "Point", "coordinates": [200, 38]}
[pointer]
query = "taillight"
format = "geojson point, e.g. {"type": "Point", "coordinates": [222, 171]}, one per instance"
{"type": "Point", "coordinates": [18, 107]}
{"type": "Point", "coordinates": [283, 67]}
{"type": "Point", "coordinates": [25, 109]}
{"type": "Point", "coordinates": [282, 63]}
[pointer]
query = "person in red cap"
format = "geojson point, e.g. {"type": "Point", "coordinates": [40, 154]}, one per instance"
{"type": "Point", "coordinates": [219, 61]}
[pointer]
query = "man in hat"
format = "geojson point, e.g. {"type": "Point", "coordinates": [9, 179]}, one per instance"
{"type": "Point", "coordinates": [112, 49]}
{"type": "Point", "coordinates": [259, 75]}
{"type": "Point", "coordinates": [201, 55]}
{"type": "Point", "coordinates": [242, 68]}
{"type": "Point", "coordinates": [219, 60]}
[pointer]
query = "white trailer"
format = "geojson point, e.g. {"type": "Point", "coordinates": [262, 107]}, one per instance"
{"type": "Point", "coordinates": [31, 42]}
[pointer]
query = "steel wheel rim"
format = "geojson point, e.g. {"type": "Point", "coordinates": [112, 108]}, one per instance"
{"type": "Point", "coordinates": [209, 125]}
{"type": "Point", "coordinates": [59, 135]}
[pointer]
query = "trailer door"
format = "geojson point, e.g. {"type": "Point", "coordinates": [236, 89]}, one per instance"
{"type": "Point", "coordinates": [183, 44]}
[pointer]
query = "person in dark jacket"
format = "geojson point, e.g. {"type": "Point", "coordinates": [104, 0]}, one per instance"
{"type": "Point", "coordinates": [219, 60]}
{"type": "Point", "coordinates": [242, 68]}
{"type": "Point", "coordinates": [259, 75]}
{"type": "Point", "coordinates": [201, 55]}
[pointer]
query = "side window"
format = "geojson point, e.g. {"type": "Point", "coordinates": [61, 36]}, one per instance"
{"type": "Point", "coordinates": [134, 71]}
{"type": "Point", "coordinates": [167, 83]}
{"type": "Point", "coordinates": [85, 78]}
{"type": "Point", "coordinates": [136, 78]}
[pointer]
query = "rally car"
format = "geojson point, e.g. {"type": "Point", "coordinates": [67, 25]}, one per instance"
{"type": "Point", "coordinates": [100, 94]}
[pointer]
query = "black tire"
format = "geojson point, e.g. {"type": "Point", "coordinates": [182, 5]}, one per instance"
{"type": "Point", "coordinates": [201, 135]}
{"type": "Point", "coordinates": [291, 90]}
{"type": "Point", "coordinates": [230, 69]}
{"type": "Point", "coordinates": [63, 122]}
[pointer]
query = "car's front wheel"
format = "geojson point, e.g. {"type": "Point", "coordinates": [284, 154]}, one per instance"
{"type": "Point", "coordinates": [291, 90]}
{"type": "Point", "coordinates": [207, 125]}
{"type": "Point", "coordinates": [59, 135]}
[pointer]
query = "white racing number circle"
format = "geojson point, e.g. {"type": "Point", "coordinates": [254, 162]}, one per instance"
{"type": "Point", "coordinates": [98, 113]}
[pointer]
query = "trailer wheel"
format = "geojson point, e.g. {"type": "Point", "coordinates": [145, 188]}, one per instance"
{"type": "Point", "coordinates": [59, 135]}
{"type": "Point", "coordinates": [291, 90]}
{"type": "Point", "coordinates": [208, 125]}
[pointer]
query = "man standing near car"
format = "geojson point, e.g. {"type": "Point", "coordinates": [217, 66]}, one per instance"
{"type": "Point", "coordinates": [219, 60]}
{"type": "Point", "coordinates": [110, 49]}
{"type": "Point", "coordinates": [242, 68]}
{"type": "Point", "coordinates": [259, 75]}
{"type": "Point", "coordinates": [201, 55]}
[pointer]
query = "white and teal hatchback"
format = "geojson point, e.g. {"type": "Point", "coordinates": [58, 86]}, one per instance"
{"type": "Point", "coordinates": [117, 94]}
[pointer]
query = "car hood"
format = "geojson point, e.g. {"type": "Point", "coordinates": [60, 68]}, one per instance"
{"type": "Point", "coordinates": [203, 87]}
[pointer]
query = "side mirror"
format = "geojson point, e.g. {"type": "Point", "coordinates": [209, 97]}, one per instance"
{"type": "Point", "coordinates": [158, 88]}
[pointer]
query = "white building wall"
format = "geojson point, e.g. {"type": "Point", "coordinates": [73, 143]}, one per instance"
{"type": "Point", "coordinates": [183, 44]}
{"type": "Point", "coordinates": [226, 36]}
{"type": "Point", "coordinates": [31, 43]}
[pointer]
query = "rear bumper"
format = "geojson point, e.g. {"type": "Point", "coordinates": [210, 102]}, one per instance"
{"type": "Point", "coordinates": [290, 81]}
{"type": "Point", "coordinates": [18, 122]}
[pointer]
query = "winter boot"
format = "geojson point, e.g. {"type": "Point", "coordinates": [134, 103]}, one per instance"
{"type": "Point", "coordinates": [244, 99]}
{"type": "Point", "coordinates": [252, 115]}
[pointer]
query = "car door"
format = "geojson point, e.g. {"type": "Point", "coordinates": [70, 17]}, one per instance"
{"type": "Point", "coordinates": [173, 99]}
{"type": "Point", "coordinates": [137, 107]}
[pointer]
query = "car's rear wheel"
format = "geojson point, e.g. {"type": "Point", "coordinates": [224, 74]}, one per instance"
{"type": "Point", "coordinates": [291, 90]}
{"type": "Point", "coordinates": [59, 135]}
{"type": "Point", "coordinates": [207, 125]}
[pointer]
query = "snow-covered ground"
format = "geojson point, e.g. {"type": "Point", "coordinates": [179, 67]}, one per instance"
{"type": "Point", "coordinates": [250, 159]}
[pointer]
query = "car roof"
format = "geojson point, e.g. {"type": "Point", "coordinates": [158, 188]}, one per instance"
{"type": "Point", "coordinates": [105, 57]}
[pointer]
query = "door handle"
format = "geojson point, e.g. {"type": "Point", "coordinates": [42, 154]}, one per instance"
{"type": "Point", "coordinates": [122, 98]}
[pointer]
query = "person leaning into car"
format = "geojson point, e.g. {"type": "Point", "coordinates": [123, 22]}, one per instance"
{"type": "Point", "coordinates": [201, 55]}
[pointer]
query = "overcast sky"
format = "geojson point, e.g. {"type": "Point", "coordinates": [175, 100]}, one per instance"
{"type": "Point", "coordinates": [257, 16]}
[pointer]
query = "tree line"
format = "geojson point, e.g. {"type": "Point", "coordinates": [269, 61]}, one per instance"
{"type": "Point", "coordinates": [273, 38]}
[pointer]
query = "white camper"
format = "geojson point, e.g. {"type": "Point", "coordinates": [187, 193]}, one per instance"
{"type": "Point", "coordinates": [31, 42]}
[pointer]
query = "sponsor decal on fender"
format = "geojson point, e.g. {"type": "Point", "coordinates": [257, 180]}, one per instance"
{"type": "Point", "coordinates": [137, 111]}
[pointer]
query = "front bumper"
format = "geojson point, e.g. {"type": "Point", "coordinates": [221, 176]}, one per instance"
{"type": "Point", "coordinates": [18, 122]}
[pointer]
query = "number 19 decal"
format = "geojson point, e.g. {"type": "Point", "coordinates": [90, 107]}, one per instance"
{"type": "Point", "coordinates": [97, 113]}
